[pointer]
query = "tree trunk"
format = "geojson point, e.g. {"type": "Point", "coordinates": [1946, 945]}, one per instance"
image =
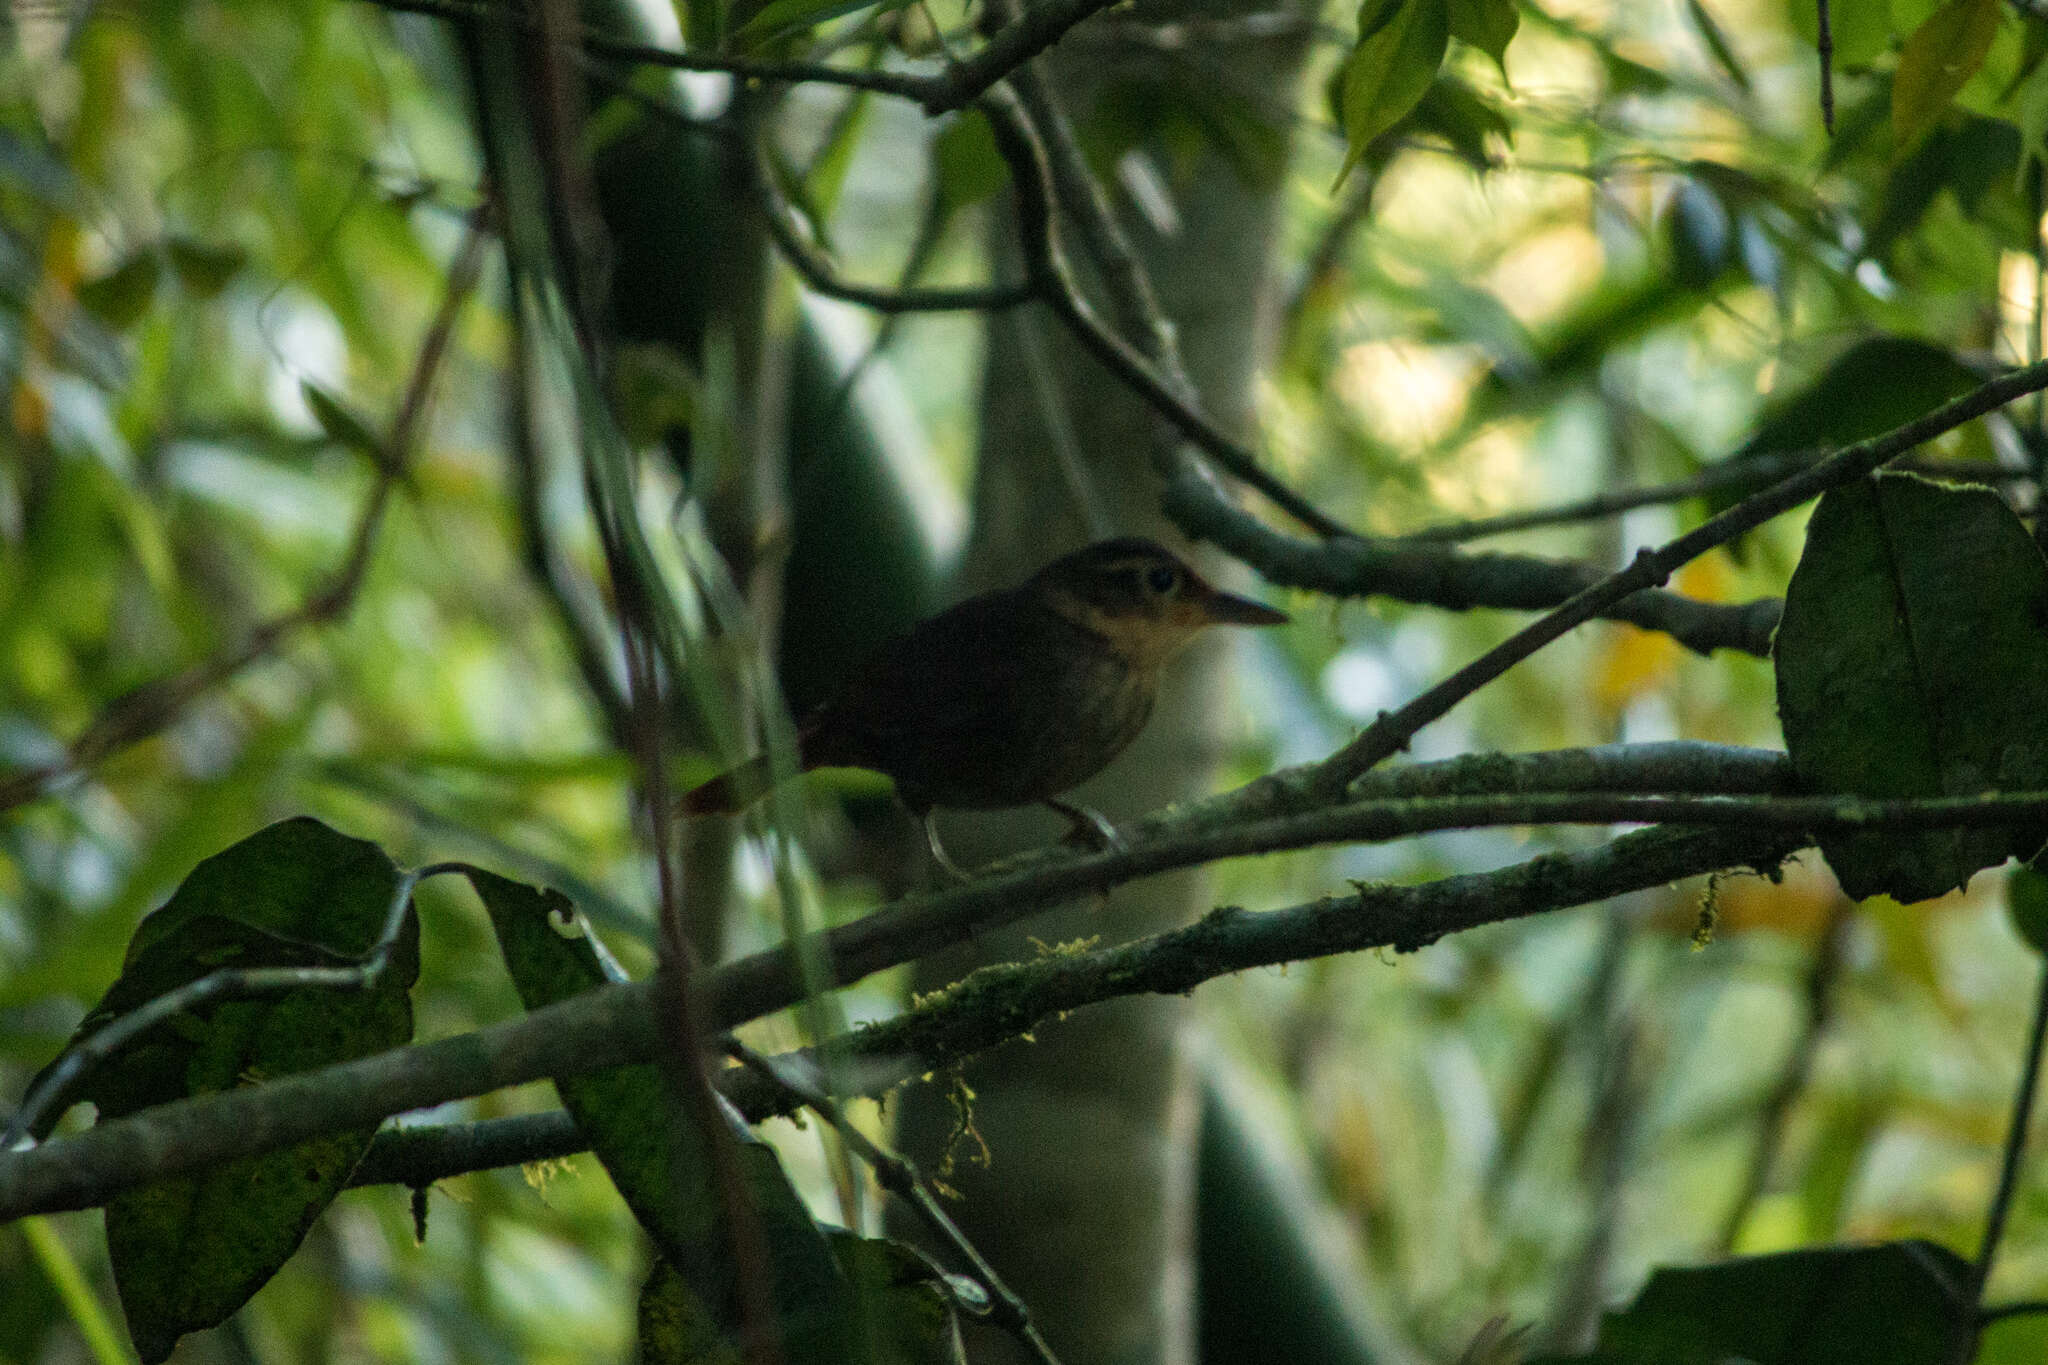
{"type": "Point", "coordinates": [1087, 1203]}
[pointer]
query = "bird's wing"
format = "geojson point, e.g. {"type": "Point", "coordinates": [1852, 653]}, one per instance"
{"type": "Point", "coordinates": [941, 677]}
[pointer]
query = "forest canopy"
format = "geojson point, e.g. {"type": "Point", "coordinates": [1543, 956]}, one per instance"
{"type": "Point", "coordinates": [458, 455]}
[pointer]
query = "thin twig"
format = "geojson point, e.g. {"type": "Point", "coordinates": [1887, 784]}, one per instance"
{"type": "Point", "coordinates": [1824, 52]}
{"type": "Point", "coordinates": [2023, 1308]}
{"type": "Point", "coordinates": [1391, 732]}
{"type": "Point", "coordinates": [900, 1178]}
{"type": "Point", "coordinates": [2015, 1145]}
{"type": "Point", "coordinates": [821, 275]}
{"type": "Point", "coordinates": [1728, 474]}
{"type": "Point", "coordinates": [155, 705]}
{"type": "Point", "coordinates": [46, 1102]}
{"type": "Point", "coordinates": [953, 86]}
{"type": "Point", "coordinates": [1821, 975]}
{"type": "Point", "coordinates": [1031, 176]}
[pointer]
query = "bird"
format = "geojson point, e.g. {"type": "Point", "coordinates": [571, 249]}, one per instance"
{"type": "Point", "coordinates": [1013, 697]}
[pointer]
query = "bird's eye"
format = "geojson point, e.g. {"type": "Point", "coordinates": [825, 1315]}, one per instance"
{"type": "Point", "coordinates": [1161, 578]}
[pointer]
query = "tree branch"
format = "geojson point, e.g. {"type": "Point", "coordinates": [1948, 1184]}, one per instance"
{"type": "Point", "coordinates": [1391, 732]}
{"type": "Point", "coordinates": [1744, 474]}
{"type": "Point", "coordinates": [953, 86]}
{"type": "Point", "coordinates": [821, 275]}
{"type": "Point", "coordinates": [615, 1025]}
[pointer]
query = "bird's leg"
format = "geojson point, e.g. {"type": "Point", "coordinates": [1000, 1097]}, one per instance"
{"type": "Point", "coordinates": [931, 838]}
{"type": "Point", "coordinates": [1089, 826]}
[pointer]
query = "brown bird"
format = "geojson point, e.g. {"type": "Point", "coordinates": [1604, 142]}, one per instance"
{"type": "Point", "coordinates": [1012, 697]}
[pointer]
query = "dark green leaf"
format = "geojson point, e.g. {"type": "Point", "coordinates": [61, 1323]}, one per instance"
{"type": "Point", "coordinates": [663, 1166]}
{"type": "Point", "coordinates": [905, 1309]}
{"type": "Point", "coordinates": [340, 421]}
{"type": "Point", "coordinates": [189, 1251]}
{"type": "Point", "coordinates": [1894, 1304]}
{"type": "Point", "coordinates": [1910, 662]}
{"type": "Point", "coordinates": [124, 293]}
{"type": "Point", "coordinates": [2026, 901]}
{"type": "Point", "coordinates": [1401, 44]}
{"type": "Point", "coordinates": [1877, 384]}
{"type": "Point", "coordinates": [204, 269]}
{"type": "Point", "coordinates": [1488, 25]}
{"type": "Point", "coordinates": [780, 18]}
{"type": "Point", "coordinates": [1970, 158]}
{"type": "Point", "coordinates": [1938, 59]}
{"type": "Point", "coordinates": [675, 1326]}
{"type": "Point", "coordinates": [1464, 118]}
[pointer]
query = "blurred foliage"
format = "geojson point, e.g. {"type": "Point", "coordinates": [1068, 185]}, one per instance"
{"type": "Point", "coordinates": [1577, 247]}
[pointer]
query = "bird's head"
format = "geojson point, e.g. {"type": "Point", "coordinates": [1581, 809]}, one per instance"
{"type": "Point", "coordinates": [1142, 598]}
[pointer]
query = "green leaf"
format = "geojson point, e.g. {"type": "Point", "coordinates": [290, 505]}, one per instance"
{"type": "Point", "coordinates": [904, 1306]}
{"type": "Point", "coordinates": [2026, 901]}
{"type": "Point", "coordinates": [902, 1301]}
{"type": "Point", "coordinates": [189, 1251]}
{"type": "Point", "coordinates": [1893, 1304]}
{"type": "Point", "coordinates": [1910, 661]}
{"type": "Point", "coordinates": [1401, 43]}
{"type": "Point", "coordinates": [1968, 158]}
{"type": "Point", "coordinates": [1939, 57]}
{"type": "Point", "coordinates": [1488, 25]}
{"type": "Point", "coordinates": [2029, 101]}
{"type": "Point", "coordinates": [122, 295]}
{"type": "Point", "coordinates": [1877, 384]}
{"type": "Point", "coordinates": [1464, 118]}
{"type": "Point", "coordinates": [781, 18]}
{"type": "Point", "coordinates": [675, 1326]}
{"type": "Point", "coordinates": [341, 422]}
{"type": "Point", "coordinates": [663, 1167]}
{"type": "Point", "coordinates": [204, 269]}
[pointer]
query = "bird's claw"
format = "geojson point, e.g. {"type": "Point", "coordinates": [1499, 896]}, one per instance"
{"type": "Point", "coordinates": [1090, 829]}
{"type": "Point", "coordinates": [939, 855]}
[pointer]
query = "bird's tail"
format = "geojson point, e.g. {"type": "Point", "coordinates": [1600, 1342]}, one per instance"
{"type": "Point", "coordinates": [731, 791]}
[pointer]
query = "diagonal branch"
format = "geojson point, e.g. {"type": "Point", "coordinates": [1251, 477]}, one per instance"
{"type": "Point", "coordinates": [820, 274]}
{"type": "Point", "coordinates": [1745, 474]}
{"type": "Point", "coordinates": [1391, 732]}
{"type": "Point", "coordinates": [615, 1025]}
{"type": "Point", "coordinates": [901, 1179]}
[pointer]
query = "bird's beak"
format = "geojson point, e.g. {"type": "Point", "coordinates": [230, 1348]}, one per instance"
{"type": "Point", "coordinates": [1227, 608]}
